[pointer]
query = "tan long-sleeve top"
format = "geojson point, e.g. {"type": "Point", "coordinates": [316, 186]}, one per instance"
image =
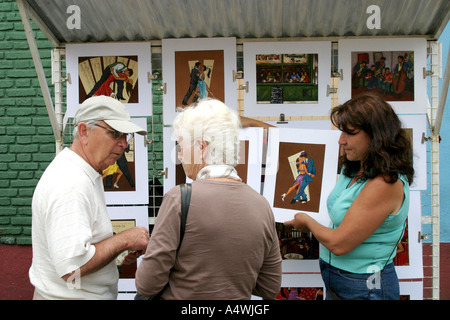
{"type": "Point", "coordinates": [230, 248]}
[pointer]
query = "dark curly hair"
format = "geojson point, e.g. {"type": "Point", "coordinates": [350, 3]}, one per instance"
{"type": "Point", "coordinates": [390, 151]}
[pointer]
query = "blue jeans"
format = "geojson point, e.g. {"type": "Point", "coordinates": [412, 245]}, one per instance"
{"type": "Point", "coordinates": [343, 285]}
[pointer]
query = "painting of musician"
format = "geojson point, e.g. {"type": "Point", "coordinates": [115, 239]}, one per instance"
{"type": "Point", "coordinates": [390, 73]}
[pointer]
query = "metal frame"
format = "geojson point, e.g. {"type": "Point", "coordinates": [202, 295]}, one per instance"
{"type": "Point", "coordinates": [435, 113]}
{"type": "Point", "coordinates": [55, 116]}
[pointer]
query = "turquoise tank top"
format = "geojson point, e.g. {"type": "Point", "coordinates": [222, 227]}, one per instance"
{"type": "Point", "coordinates": [380, 248]}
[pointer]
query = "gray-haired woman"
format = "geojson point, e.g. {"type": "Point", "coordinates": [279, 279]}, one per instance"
{"type": "Point", "coordinates": [230, 247]}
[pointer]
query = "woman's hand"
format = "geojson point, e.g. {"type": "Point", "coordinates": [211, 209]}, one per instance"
{"type": "Point", "coordinates": [299, 222]}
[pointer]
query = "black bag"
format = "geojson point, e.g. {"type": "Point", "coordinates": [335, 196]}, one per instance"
{"type": "Point", "coordinates": [185, 201]}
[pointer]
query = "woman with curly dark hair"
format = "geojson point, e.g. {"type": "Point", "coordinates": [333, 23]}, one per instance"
{"type": "Point", "coordinates": [368, 206]}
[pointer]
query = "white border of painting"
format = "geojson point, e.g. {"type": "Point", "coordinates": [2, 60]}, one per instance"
{"type": "Point", "coordinates": [298, 280]}
{"type": "Point", "coordinates": [170, 46]}
{"type": "Point", "coordinates": [303, 124]}
{"type": "Point", "coordinates": [418, 45]}
{"type": "Point", "coordinates": [140, 49]}
{"type": "Point", "coordinates": [170, 159]}
{"type": "Point", "coordinates": [412, 288]}
{"type": "Point", "coordinates": [299, 266]}
{"type": "Point", "coordinates": [320, 108]}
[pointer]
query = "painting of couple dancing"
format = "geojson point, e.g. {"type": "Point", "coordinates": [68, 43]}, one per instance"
{"type": "Point", "coordinates": [299, 177]}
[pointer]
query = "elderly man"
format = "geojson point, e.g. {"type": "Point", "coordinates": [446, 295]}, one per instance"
{"type": "Point", "coordinates": [74, 248]}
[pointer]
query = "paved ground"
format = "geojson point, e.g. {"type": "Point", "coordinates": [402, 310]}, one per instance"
{"type": "Point", "coordinates": [14, 264]}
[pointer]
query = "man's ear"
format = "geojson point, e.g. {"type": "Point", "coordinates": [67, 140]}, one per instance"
{"type": "Point", "coordinates": [82, 131]}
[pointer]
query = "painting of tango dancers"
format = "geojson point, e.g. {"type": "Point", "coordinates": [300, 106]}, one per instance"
{"type": "Point", "coordinates": [121, 70]}
{"type": "Point", "coordinates": [299, 176]}
{"type": "Point", "coordinates": [199, 75]}
{"type": "Point", "coordinates": [113, 76]}
{"type": "Point", "coordinates": [390, 73]}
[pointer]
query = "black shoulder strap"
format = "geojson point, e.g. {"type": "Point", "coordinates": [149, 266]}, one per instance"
{"type": "Point", "coordinates": [185, 202]}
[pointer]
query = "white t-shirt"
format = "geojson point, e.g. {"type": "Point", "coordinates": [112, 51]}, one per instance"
{"type": "Point", "coordinates": [69, 216]}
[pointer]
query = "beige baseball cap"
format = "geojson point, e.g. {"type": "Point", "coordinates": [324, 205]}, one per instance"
{"type": "Point", "coordinates": [110, 110]}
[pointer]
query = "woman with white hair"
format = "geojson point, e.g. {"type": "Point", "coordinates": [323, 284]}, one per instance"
{"type": "Point", "coordinates": [230, 247]}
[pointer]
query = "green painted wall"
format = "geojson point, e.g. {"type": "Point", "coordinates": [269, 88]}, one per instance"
{"type": "Point", "coordinates": [27, 143]}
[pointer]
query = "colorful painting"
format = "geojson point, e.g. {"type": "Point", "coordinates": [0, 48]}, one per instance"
{"type": "Point", "coordinates": [389, 73]}
{"type": "Point", "coordinates": [290, 78]}
{"type": "Point", "coordinates": [287, 78]}
{"type": "Point", "coordinates": [299, 176]}
{"type": "Point", "coordinates": [120, 176]}
{"type": "Point", "coordinates": [301, 170]}
{"type": "Point", "coordinates": [118, 70]}
{"type": "Point", "coordinates": [197, 68]}
{"type": "Point", "coordinates": [199, 75]}
{"type": "Point", "coordinates": [112, 76]}
{"type": "Point", "coordinates": [126, 181]}
{"type": "Point", "coordinates": [296, 245]}
{"type": "Point", "coordinates": [392, 67]}
{"type": "Point", "coordinates": [300, 293]}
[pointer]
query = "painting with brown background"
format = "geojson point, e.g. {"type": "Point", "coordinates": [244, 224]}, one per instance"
{"type": "Point", "coordinates": [91, 69]}
{"type": "Point", "coordinates": [285, 178]}
{"type": "Point", "coordinates": [184, 62]}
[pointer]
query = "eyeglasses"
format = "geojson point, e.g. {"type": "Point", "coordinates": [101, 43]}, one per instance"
{"type": "Point", "coordinates": [117, 135]}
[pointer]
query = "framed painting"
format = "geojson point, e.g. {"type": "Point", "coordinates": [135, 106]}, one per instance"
{"type": "Point", "coordinates": [408, 260]}
{"type": "Point", "coordinates": [392, 67]}
{"type": "Point", "coordinates": [124, 218]}
{"type": "Point", "coordinates": [416, 125]}
{"type": "Point", "coordinates": [250, 159]}
{"type": "Point", "coordinates": [197, 68]}
{"type": "Point", "coordinates": [291, 78]}
{"type": "Point", "coordinates": [126, 181]}
{"type": "Point", "coordinates": [301, 171]}
{"type": "Point", "coordinates": [120, 70]}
